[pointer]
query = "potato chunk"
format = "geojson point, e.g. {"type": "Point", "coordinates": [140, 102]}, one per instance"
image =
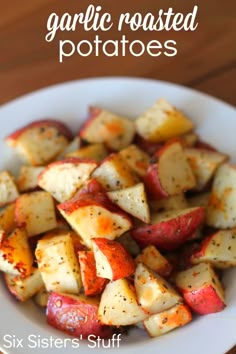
{"type": "Point", "coordinates": [36, 211]}
{"type": "Point", "coordinates": [8, 189]}
{"type": "Point", "coordinates": [119, 306]}
{"type": "Point", "coordinates": [154, 293]}
{"type": "Point", "coordinates": [58, 263]}
{"type": "Point", "coordinates": [15, 254]}
{"type": "Point", "coordinates": [162, 122]}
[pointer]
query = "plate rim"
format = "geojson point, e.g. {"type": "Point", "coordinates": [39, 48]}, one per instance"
{"type": "Point", "coordinates": [114, 77]}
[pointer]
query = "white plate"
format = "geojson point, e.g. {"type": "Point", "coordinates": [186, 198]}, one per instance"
{"type": "Point", "coordinates": [216, 121]}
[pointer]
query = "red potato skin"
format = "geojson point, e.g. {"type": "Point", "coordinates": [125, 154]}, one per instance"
{"type": "Point", "coordinates": [152, 183]}
{"type": "Point", "coordinates": [185, 255]}
{"type": "Point", "coordinates": [44, 122]}
{"type": "Point", "coordinates": [203, 301]}
{"type": "Point", "coordinates": [166, 271]}
{"type": "Point", "coordinates": [202, 249]}
{"type": "Point", "coordinates": [121, 262]}
{"type": "Point", "coordinates": [78, 246]}
{"type": "Point", "coordinates": [75, 317]}
{"type": "Point", "coordinates": [92, 187]}
{"type": "Point", "coordinates": [205, 146]}
{"type": "Point", "coordinates": [151, 180]}
{"type": "Point", "coordinates": [93, 285]}
{"type": "Point", "coordinates": [147, 146]}
{"type": "Point", "coordinates": [170, 234]}
{"type": "Point", "coordinates": [86, 199]}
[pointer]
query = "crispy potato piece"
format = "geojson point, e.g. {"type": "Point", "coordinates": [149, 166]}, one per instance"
{"type": "Point", "coordinates": [7, 218]}
{"type": "Point", "coordinates": [164, 322]}
{"type": "Point", "coordinates": [36, 211]}
{"type": "Point", "coordinates": [15, 254]}
{"type": "Point", "coordinates": [162, 122]}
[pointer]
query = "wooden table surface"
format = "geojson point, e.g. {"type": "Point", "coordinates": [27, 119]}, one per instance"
{"type": "Point", "coordinates": [206, 58]}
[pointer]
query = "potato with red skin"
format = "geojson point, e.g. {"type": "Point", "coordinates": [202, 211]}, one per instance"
{"type": "Point", "coordinates": [93, 285]}
{"type": "Point", "coordinates": [93, 215]}
{"type": "Point", "coordinates": [201, 289]}
{"type": "Point", "coordinates": [168, 231]}
{"type": "Point", "coordinates": [63, 178]}
{"type": "Point", "coordinates": [106, 127]}
{"type": "Point", "coordinates": [92, 186]}
{"type": "Point", "coordinates": [169, 172]}
{"type": "Point", "coordinates": [147, 146]}
{"type": "Point", "coordinates": [112, 260]}
{"type": "Point", "coordinates": [76, 315]}
{"type": "Point", "coordinates": [12, 138]}
{"type": "Point", "coordinates": [40, 142]}
{"type": "Point", "coordinates": [219, 249]}
{"type": "Point", "coordinates": [77, 242]}
{"type": "Point", "coordinates": [153, 184]}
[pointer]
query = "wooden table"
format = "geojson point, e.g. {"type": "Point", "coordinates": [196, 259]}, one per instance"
{"type": "Point", "coordinates": [206, 58]}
